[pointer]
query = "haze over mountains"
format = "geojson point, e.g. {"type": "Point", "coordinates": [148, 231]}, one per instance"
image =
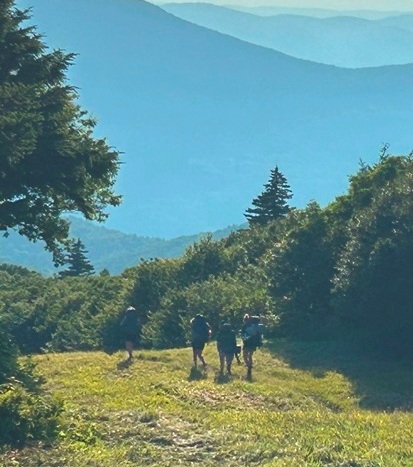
{"type": "Point", "coordinates": [202, 117]}
{"type": "Point", "coordinates": [346, 41]}
{"type": "Point", "coordinates": [106, 249]}
{"type": "Point", "coordinates": [268, 10]}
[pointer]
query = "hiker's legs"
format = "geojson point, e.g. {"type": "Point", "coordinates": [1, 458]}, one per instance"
{"type": "Point", "coordinates": [201, 357]}
{"type": "Point", "coordinates": [129, 347]}
{"type": "Point", "coordinates": [197, 350]}
{"type": "Point", "coordinates": [246, 353]}
{"type": "Point", "coordinates": [249, 361]}
{"type": "Point", "coordinates": [195, 356]}
{"type": "Point", "coordinates": [221, 362]}
{"type": "Point", "coordinates": [229, 358]}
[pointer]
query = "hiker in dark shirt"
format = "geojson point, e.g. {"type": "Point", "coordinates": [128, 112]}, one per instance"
{"type": "Point", "coordinates": [251, 339]}
{"type": "Point", "coordinates": [200, 334]}
{"type": "Point", "coordinates": [130, 328]}
{"type": "Point", "coordinates": [227, 346]}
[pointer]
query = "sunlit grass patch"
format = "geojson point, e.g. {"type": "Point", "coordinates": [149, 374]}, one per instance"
{"type": "Point", "coordinates": [152, 412]}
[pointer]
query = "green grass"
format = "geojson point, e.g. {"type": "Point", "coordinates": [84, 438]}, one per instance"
{"type": "Point", "coordinates": [307, 405]}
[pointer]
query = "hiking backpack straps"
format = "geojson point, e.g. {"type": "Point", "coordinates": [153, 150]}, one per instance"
{"type": "Point", "coordinates": [200, 329]}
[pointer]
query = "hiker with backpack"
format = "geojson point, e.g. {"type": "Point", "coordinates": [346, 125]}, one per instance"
{"type": "Point", "coordinates": [200, 334]}
{"type": "Point", "coordinates": [251, 339]}
{"type": "Point", "coordinates": [227, 346]}
{"type": "Point", "coordinates": [130, 328]}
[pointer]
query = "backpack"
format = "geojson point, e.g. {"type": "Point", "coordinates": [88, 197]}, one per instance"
{"type": "Point", "coordinates": [130, 322]}
{"type": "Point", "coordinates": [253, 331]}
{"type": "Point", "coordinates": [226, 338]}
{"type": "Point", "coordinates": [200, 329]}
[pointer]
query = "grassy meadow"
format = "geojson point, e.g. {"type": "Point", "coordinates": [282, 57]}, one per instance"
{"type": "Point", "coordinates": [306, 405]}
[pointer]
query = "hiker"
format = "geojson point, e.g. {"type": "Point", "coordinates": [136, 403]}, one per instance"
{"type": "Point", "coordinates": [227, 346]}
{"type": "Point", "coordinates": [130, 328]}
{"type": "Point", "coordinates": [200, 334]}
{"type": "Point", "coordinates": [251, 338]}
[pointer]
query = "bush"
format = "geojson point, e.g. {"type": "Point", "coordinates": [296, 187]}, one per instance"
{"type": "Point", "coordinates": [8, 357]}
{"type": "Point", "coordinates": [25, 413]}
{"type": "Point", "coordinates": [25, 416]}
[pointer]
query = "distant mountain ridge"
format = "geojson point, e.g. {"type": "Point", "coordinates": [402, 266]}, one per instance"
{"type": "Point", "coordinates": [107, 249]}
{"type": "Point", "coordinates": [315, 12]}
{"type": "Point", "coordinates": [345, 41]}
{"type": "Point", "coordinates": [202, 117]}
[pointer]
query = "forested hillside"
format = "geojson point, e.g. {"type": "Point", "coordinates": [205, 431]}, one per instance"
{"type": "Point", "coordinates": [346, 41]}
{"type": "Point", "coordinates": [316, 272]}
{"type": "Point", "coordinates": [107, 249]}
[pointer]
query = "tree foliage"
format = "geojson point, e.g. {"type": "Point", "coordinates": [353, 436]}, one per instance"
{"type": "Point", "coordinates": [343, 270]}
{"type": "Point", "coordinates": [299, 270]}
{"type": "Point", "coordinates": [49, 161]}
{"type": "Point", "coordinates": [272, 203]}
{"type": "Point", "coordinates": [373, 285]}
{"type": "Point", "coordinates": [43, 314]}
{"type": "Point", "coordinates": [77, 260]}
{"type": "Point", "coordinates": [226, 297]}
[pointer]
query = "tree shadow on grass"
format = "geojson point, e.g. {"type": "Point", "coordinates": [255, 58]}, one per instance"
{"type": "Point", "coordinates": [379, 384]}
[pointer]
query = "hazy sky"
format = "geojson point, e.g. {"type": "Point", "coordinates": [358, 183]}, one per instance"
{"type": "Point", "coordinates": [405, 5]}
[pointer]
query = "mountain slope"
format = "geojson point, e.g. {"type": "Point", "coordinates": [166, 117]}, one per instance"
{"type": "Point", "coordinates": [202, 117]}
{"type": "Point", "coordinates": [400, 21]}
{"type": "Point", "coordinates": [107, 249]}
{"type": "Point", "coordinates": [343, 41]}
{"type": "Point", "coordinates": [269, 10]}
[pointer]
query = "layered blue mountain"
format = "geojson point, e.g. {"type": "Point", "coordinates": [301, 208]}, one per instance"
{"type": "Point", "coordinates": [345, 41]}
{"type": "Point", "coordinates": [202, 117]}
{"type": "Point", "coordinates": [106, 248]}
{"type": "Point", "coordinates": [272, 10]}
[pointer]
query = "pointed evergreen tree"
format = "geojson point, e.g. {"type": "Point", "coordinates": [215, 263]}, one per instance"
{"type": "Point", "coordinates": [271, 204]}
{"type": "Point", "coordinates": [77, 260]}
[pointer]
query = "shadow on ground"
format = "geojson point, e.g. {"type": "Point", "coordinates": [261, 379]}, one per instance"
{"type": "Point", "coordinates": [378, 383]}
{"type": "Point", "coordinates": [124, 364]}
{"type": "Point", "coordinates": [195, 374]}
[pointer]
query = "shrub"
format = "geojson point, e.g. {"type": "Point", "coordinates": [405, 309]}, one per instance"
{"type": "Point", "coordinates": [26, 416]}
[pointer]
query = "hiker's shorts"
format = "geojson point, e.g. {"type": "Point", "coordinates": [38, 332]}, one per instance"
{"type": "Point", "coordinates": [250, 346]}
{"type": "Point", "coordinates": [198, 345]}
{"type": "Point", "coordinates": [131, 337]}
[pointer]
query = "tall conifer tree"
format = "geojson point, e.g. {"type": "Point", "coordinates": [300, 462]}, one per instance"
{"type": "Point", "coordinates": [77, 260]}
{"type": "Point", "coordinates": [272, 203]}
